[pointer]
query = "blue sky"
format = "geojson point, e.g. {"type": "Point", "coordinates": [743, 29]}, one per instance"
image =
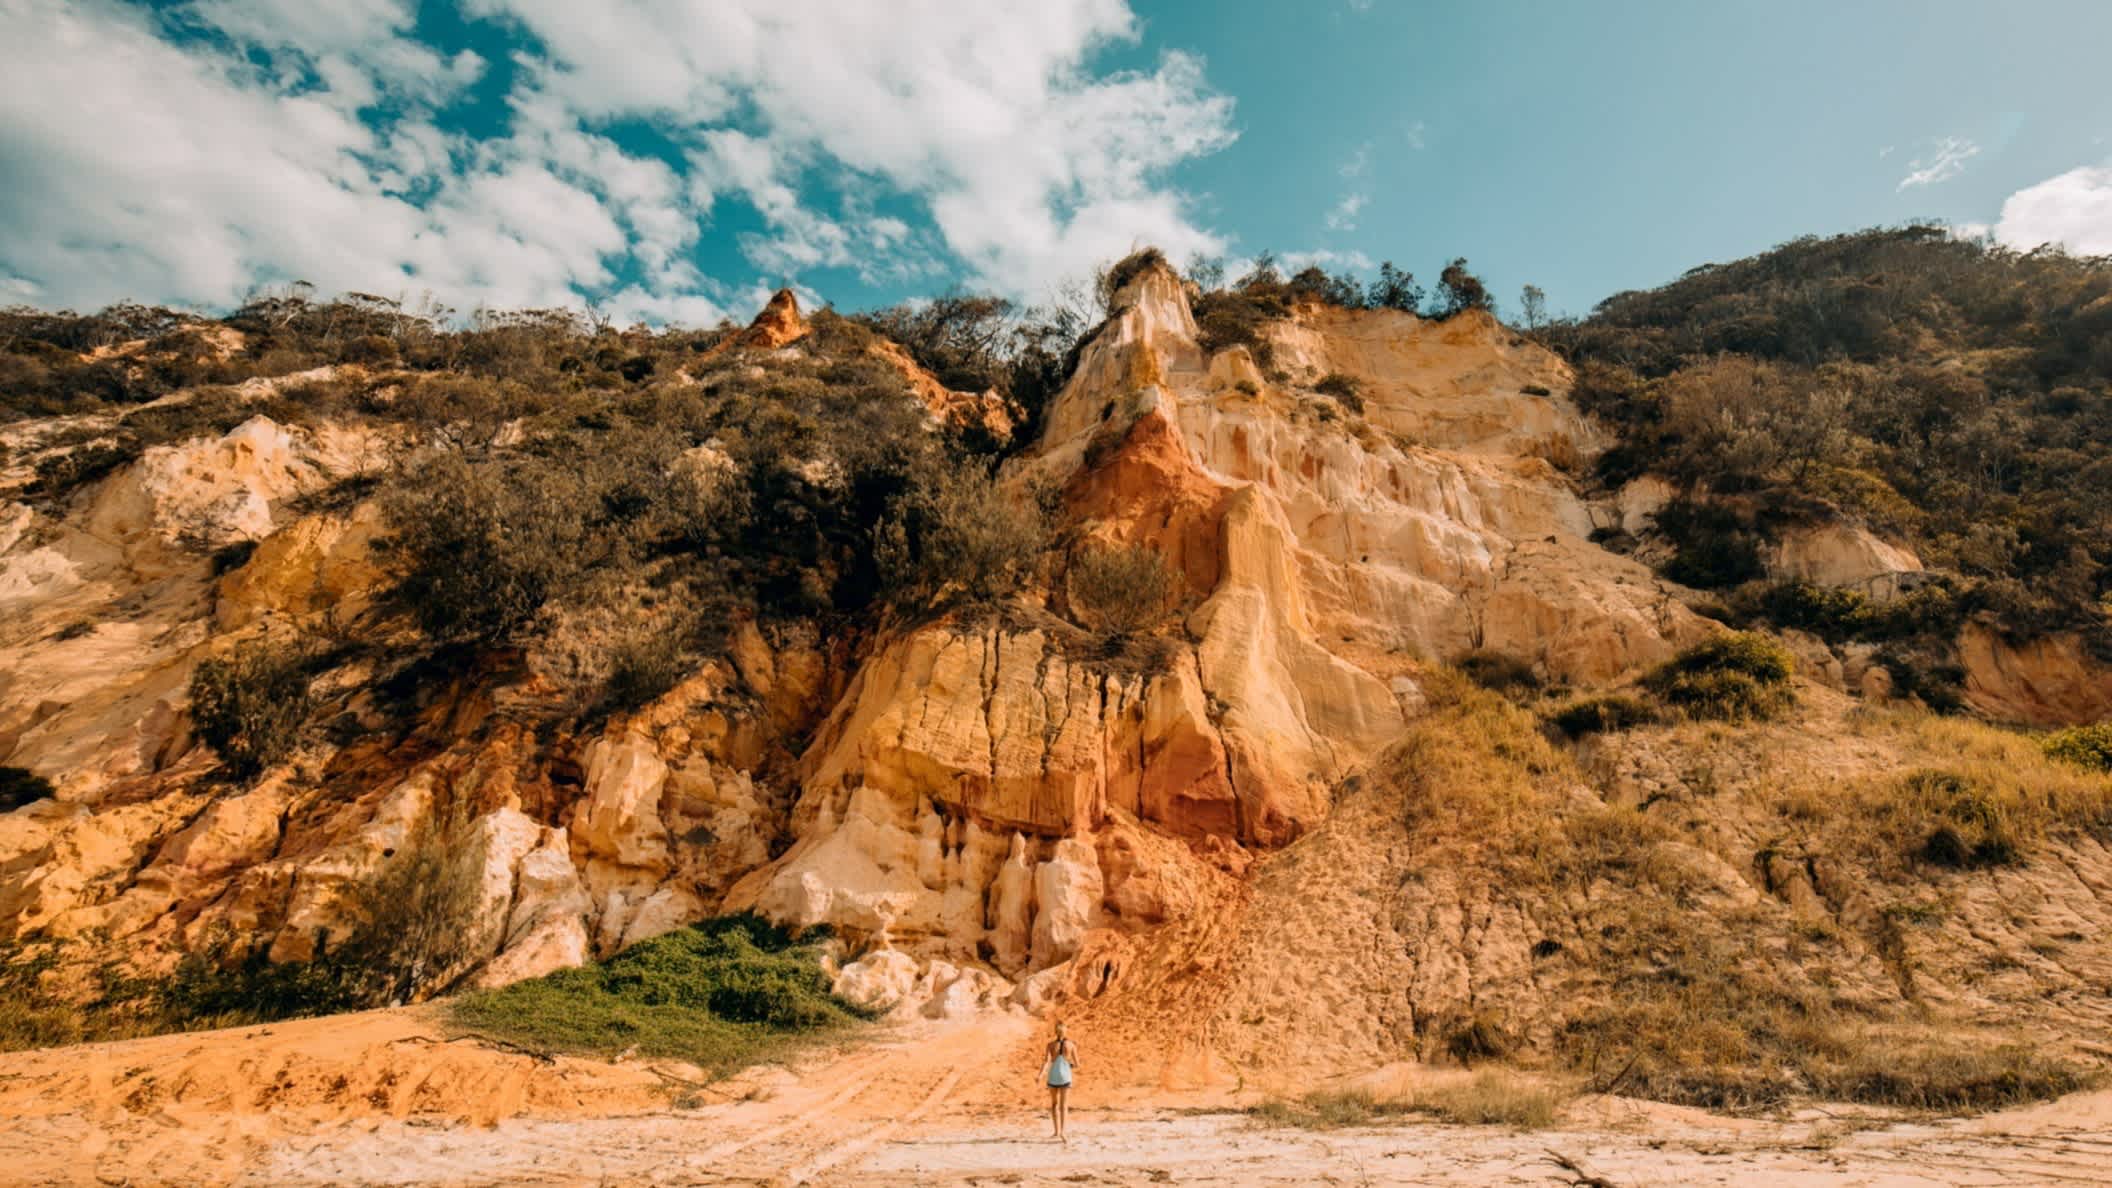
{"type": "Point", "coordinates": [673, 161]}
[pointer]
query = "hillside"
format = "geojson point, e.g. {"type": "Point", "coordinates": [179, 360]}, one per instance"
{"type": "Point", "coordinates": [1277, 693]}
{"type": "Point", "coordinates": [1952, 398]}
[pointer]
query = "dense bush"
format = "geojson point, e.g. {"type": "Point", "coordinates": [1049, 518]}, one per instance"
{"type": "Point", "coordinates": [1344, 388]}
{"type": "Point", "coordinates": [249, 706]}
{"type": "Point", "coordinates": [1732, 678]}
{"type": "Point", "coordinates": [1836, 614]}
{"type": "Point", "coordinates": [720, 994]}
{"type": "Point", "coordinates": [1714, 545]}
{"type": "Point", "coordinates": [20, 786]}
{"type": "Point", "coordinates": [2085, 746]}
{"type": "Point", "coordinates": [1595, 715]}
{"type": "Point", "coordinates": [480, 546]}
{"type": "Point", "coordinates": [1498, 672]}
{"type": "Point", "coordinates": [956, 538]}
{"type": "Point", "coordinates": [1123, 592]}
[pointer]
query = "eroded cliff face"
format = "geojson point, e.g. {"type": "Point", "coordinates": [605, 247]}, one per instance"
{"type": "Point", "coordinates": [985, 812]}
{"type": "Point", "coordinates": [963, 795]}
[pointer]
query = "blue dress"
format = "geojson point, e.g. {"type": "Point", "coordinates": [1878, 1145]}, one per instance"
{"type": "Point", "coordinates": [1059, 1071]}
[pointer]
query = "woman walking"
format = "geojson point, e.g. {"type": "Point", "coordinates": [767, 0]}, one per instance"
{"type": "Point", "coordinates": [1059, 1061]}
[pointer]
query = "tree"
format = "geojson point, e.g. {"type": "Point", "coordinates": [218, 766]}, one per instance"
{"type": "Point", "coordinates": [1534, 303]}
{"type": "Point", "coordinates": [1263, 274]}
{"type": "Point", "coordinates": [1460, 290]}
{"type": "Point", "coordinates": [1396, 289]}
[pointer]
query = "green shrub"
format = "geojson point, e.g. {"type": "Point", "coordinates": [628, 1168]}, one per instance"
{"type": "Point", "coordinates": [1594, 715]}
{"type": "Point", "coordinates": [1731, 678]}
{"type": "Point", "coordinates": [721, 994]}
{"type": "Point", "coordinates": [249, 705]}
{"type": "Point", "coordinates": [1122, 592]}
{"type": "Point", "coordinates": [2085, 746]}
{"type": "Point", "coordinates": [20, 786]}
{"type": "Point", "coordinates": [1835, 613]}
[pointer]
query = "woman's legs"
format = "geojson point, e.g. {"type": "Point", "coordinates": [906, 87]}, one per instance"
{"type": "Point", "coordinates": [1063, 1110]}
{"type": "Point", "coordinates": [1056, 1111]}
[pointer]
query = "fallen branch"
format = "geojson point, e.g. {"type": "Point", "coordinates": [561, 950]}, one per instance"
{"type": "Point", "coordinates": [1580, 1174]}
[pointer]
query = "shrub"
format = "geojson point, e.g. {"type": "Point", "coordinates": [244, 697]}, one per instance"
{"type": "Point", "coordinates": [644, 667]}
{"type": "Point", "coordinates": [230, 557]}
{"type": "Point", "coordinates": [249, 705]}
{"type": "Point", "coordinates": [1594, 715]}
{"type": "Point", "coordinates": [2085, 746]}
{"type": "Point", "coordinates": [1460, 290]}
{"type": "Point", "coordinates": [1498, 672]}
{"type": "Point", "coordinates": [20, 786]}
{"type": "Point", "coordinates": [1129, 268]}
{"type": "Point", "coordinates": [957, 538]}
{"type": "Point", "coordinates": [721, 994]}
{"type": "Point", "coordinates": [480, 547]}
{"type": "Point", "coordinates": [1122, 592]}
{"type": "Point", "coordinates": [1344, 388]}
{"type": "Point", "coordinates": [411, 922]}
{"type": "Point", "coordinates": [1395, 289]}
{"type": "Point", "coordinates": [1713, 546]}
{"type": "Point", "coordinates": [1975, 824]}
{"type": "Point", "coordinates": [1732, 678]}
{"type": "Point", "coordinates": [1916, 672]}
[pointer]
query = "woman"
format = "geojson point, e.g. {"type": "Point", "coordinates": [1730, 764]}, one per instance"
{"type": "Point", "coordinates": [1059, 1061]}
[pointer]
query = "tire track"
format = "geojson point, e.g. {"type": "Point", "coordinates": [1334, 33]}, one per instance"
{"type": "Point", "coordinates": [852, 1148]}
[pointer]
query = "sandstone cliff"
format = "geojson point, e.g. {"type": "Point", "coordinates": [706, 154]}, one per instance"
{"type": "Point", "coordinates": [985, 811]}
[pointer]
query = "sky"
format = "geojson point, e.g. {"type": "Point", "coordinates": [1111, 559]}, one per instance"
{"type": "Point", "coordinates": [673, 161]}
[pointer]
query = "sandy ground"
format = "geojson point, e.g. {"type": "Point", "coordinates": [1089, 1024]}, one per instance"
{"type": "Point", "coordinates": [389, 1098]}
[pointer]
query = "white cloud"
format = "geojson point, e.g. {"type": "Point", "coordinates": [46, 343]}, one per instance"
{"type": "Point", "coordinates": [1945, 161]}
{"type": "Point", "coordinates": [1032, 168]}
{"type": "Point", "coordinates": [138, 169]}
{"type": "Point", "coordinates": [2073, 210]}
{"type": "Point", "coordinates": [1351, 261]}
{"type": "Point", "coordinates": [1344, 216]}
{"type": "Point", "coordinates": [306, 145]}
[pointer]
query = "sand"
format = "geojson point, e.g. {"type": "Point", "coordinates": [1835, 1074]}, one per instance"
{"type": "Point", "coordinates": [388, 1097]}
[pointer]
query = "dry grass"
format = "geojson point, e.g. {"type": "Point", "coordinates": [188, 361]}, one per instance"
{"type": "Point", "coordinates": [1976, 796]}
{"type": "Point", "coordinates": [1491, 1097]}
{"type": "Point", "coordinates": [1674, 994]}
